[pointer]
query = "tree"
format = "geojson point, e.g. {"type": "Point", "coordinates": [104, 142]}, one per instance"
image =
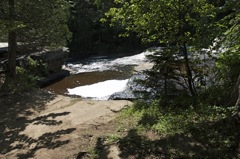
{"type": "Point", "coordinates": [12, 42]}
{"type": "Point", "coordinates": [34, 24]}
{"type": "Point", "coordinates": [85, 25]}
{"type": "Point", "coordinates": [188, 25]}
{"type": "Point", "coordinates": [229, 60]}
{"type": "Point", "coordinates": [90, 35]}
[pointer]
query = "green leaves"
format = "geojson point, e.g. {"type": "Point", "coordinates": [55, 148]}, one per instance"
{"type": "Point", "coordinates": [164, 21]}
{"type": "Point", "coordinates": [42, 22]}
{"type": "Point", "coordinates": [180, 24]}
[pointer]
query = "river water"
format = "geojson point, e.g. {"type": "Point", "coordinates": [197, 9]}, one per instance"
{"type": "Point", "coordinates": [98, 76]}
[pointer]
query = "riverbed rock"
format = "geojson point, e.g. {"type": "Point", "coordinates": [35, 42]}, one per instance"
{"type": "Point", "coordinates": [54, 59]}
{"type": "Point", "coordinates": [133, 89]}
{"type": "Point", "coordinates": [3, 49]}
{"type": "Point", "coordinates": [53, 78]}
{"type": "Point", "coordinates": [3, 52]}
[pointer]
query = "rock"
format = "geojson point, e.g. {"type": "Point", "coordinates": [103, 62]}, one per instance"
{"type": "Point", "coordinates": [3, 52]}
{"type": "Point", "coordinates": [133, 90]}
{"type": "Point", "coordinates": [3, 49]}
{"type": "Point", "coordinates": [53, 58]}
{"type": "Point", "coordinates": [143, 66]}
{"type": "Point", "coordinates": [53, 78]}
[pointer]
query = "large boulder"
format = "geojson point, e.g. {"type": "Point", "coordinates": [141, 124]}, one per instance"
{"type": "Point", "coordinates": [54, 59]}
{"type": "Point", "coordinates": [53, 78]}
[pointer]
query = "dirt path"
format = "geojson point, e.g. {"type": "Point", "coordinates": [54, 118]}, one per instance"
{"type": "Point", "coordinates": [46, 126]}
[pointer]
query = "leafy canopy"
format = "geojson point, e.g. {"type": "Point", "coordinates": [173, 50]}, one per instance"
{"type": "Point", "coordinates": [39, 23]}
{"type": "Point", "coordinates": [185, 26]}
{"type": "Point", "coordinates": [168, 21]}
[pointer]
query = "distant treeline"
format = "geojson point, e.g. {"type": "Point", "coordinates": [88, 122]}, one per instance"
{"type": "Point", "coordinates": [91, 36]}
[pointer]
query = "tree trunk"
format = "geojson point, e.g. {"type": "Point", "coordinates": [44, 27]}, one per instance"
{"type": "Point", "coordinates": [188, 71]}
{"type": "Point", "coordinates": [12, 49]}
{"type": "Point", "coordinates": [234, 99]}
{"type": "Point", "coordinates": [12, 42]}
{"type": "Point", "coordinates": [235, 94]}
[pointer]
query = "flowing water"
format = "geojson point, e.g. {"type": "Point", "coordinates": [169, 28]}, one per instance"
{"type": "Point", "coordinates": [88, 78]}
{"type": "Point", "coordinates": [98, 76]}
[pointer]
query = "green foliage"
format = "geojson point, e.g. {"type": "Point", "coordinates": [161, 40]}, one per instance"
{"type": "Point", "coordinates": [229, 61]}
{"type": "Point", "coordinates": [180, 26]}
{"type": "Point", "coordinates": [28, 75]}
{"type": "Point", "coordinates": [167, 21]}
{"type": "Point", "coordinates": [37, 23]}
{"type": "Point", "coordinates": [94, 154]}
{"type": "Point", "coordinates": [184, 28]}
{"type": "Point", "coordinates": [228, 65]}
{"type": "Point", "coordinates": [167, 73]}
{"type": "Point", "coordinates": [180, 121]}
{"type": "Point", "coordinates": [180, 129]}
{"type": "Point", "coordinates": [175, 120]}
{"type": "Point", "coordinates": [112, 138]}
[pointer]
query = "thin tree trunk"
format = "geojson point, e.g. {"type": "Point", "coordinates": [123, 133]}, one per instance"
{"type": "Point", "coordinates": [234, 99]}
{"type": "Point", "coordinates": [12, 54]}
{"type": "Point", "coordinates": [181, 18]}
{"type": "Point", "coordinates": [235, 94]}
{"type": "Point", "coordinates": [189, 72]}
{"type": "Point", "coordinates": [12, 42]}
{"type": "Point", "coordinates": [12, 49]}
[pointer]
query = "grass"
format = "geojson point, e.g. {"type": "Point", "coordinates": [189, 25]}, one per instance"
{"type": "Point", "coordinates": [112, 138]}
{"type": "Point", "coordinates": [148, 130]}
{"type": "Point", "coordinates": [202, 131]}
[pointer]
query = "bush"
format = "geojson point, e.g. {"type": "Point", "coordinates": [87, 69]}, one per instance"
{"type": "Point", "coordinates": [28, 75]}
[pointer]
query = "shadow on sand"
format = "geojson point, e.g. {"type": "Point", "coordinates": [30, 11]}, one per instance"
{"type": "Point", "coordinates": [14, 113]}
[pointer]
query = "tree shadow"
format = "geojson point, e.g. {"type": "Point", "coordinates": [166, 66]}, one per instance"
{"type": "Point", "coordinates": [14, 113]}
{"type": "Point", "coordinates": [44, 120]}
{"type": "Point", "coordinates": [82, 155]}
{"type": "Point", "coordinates": [220, 139]}
{"type": "Point", "coordinates": [204, 140]}
{"type": "Point", "coordinates": [136, 146]}
{"type": "Point", "coordinates": [47, 140]}
{"type": "Point", "coordinates": [102, 149]}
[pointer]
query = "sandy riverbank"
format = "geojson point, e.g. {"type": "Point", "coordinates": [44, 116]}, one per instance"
{"type": "Point", "coordinates": [42, 125]}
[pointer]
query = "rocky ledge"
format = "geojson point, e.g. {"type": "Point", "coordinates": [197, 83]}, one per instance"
{"type": "Point", "coordinates": [134, 88]}
{"type": "Point", "coordinates": [54, 59]}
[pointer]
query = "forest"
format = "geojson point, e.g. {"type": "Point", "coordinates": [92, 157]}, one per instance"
{"type": "Point", "coordinates": [195, 80]}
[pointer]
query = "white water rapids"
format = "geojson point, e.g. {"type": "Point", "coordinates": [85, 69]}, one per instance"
{"type": "Point", "coordinates": [102, 63]}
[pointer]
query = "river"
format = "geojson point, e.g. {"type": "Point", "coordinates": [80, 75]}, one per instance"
{"type": "Point", "coordinates": [98, 77]}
